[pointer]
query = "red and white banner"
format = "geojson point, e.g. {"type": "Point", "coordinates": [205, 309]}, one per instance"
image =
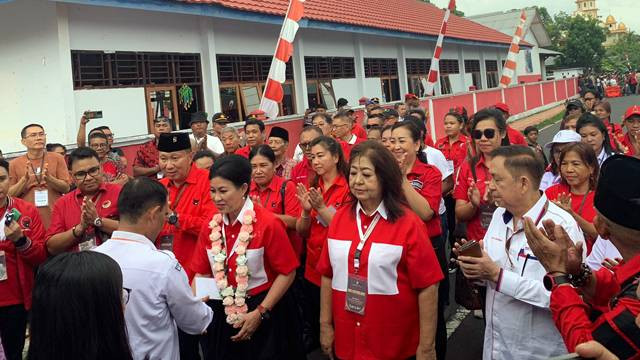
{"type": "Point", "coordinates": [434, 71]}
{"type": "Point", "coordinates": [509, 68]}
{"type": "Point", "coordinates": [273, 93]}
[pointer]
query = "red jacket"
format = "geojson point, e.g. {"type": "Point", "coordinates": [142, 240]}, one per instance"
{"type": "Point", "coordinates": [571, 314]}
{"type": "Point", "coordinates": [14, 292]}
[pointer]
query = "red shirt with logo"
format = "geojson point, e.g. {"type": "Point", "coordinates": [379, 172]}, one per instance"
{"type": "Point", "coordinates": [456, 151]}
{"type": "Point", "coordinates": [303, 173]}
{"type": "Point", "coordinates": [398, 261]}
{"type": "Point", "coordinates": [475, 230]}
{"type": "Point", "coordinates": [581, 204]}
{"type": "Point", "coordinates": [271, 199]}
{"type": "Point", "coordinates": [194, 208]}
{"type": "Point", "coordinates": [68, 210]}
{"type": "Point", "coordinates": [269, 252]}
{"type": "Point", "coordinates": [244, 151]}
{"type": "Point", "coordinates": [335, 197]}
{"type": "Point", "coordinates": [16, 289]}
{"type": "Point", "coordinates": [427, 180]}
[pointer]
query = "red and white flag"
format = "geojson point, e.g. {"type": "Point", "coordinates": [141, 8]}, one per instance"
{"type": "Point", "coordinates": [509, 68]}
{"type": "Point", "coordinates": [273, 93]}
{"type": "Point", "coordinates": [434, 71]}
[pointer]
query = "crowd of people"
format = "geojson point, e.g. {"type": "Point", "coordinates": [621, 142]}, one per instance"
{"type": "Point", "coordinates": [244, 245]}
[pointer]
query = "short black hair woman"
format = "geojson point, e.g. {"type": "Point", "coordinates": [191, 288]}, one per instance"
{"type": "Point", "coordinates": [594, 133]}
{"type": "Point", "coordinates": [247, 251]}
{"type": "Point", "coordinates": [78, 309]}
{"type": "Point", "coordinates": [379, 270]}
{"type": "Point", "coordinates": [329, 191]}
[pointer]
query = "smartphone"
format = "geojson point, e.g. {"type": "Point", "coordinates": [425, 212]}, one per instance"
{"type": "Point", "coordinates": [93, 114]}
{"type": "Point", "coordinates": [13, 215]}
{"type": "Point", "coordinates": [470, 248]}
{"type": "Point", "coordinates": [572, 356]}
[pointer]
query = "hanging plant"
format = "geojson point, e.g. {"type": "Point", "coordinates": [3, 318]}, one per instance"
{"type": "Point", "coordinates": [186, 96]}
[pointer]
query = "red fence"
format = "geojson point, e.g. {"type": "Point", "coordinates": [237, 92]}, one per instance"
{"type": "Point", "coordinates": [520, 98]}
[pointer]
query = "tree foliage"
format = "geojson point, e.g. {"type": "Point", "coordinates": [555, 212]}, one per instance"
{"type": "Point", "coordinates": [624, 55]}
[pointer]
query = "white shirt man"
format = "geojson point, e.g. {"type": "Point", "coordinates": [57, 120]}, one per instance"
{"type": "Point", "coordinates": [519, 323]}
{"type": "Point", "coordinates": [436, 158]}
{"type": "Point", "coordinates": [213, 143]}
{"type": "Point", "coordinates": [160, 297]}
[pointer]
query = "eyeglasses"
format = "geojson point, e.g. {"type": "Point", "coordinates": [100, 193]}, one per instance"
{"type": "Point", "coordinates": [488, 133]}
{"type": "Point", "coordinates": [338, 126]}
{"type": "Point", "coordinates": [36, 135]}
{"type": "Point", "coordinates": [126, 294]}
{"type": "Point", "coordinates": [81, 175]}
{"type": "Point", "coordinates": [372, 126]}
{"type": "Point", "coordinates": [110, 136]}
{"type": "Point", "coordinates": [99, 146]}
{"type": "Point", "coordinates": [305, 146]}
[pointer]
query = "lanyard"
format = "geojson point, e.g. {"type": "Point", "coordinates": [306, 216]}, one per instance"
{"type": "Point", "coordinates": [584, 198]}
{"type": "Point", "coordinates": [41, 168]}
{"type": "Point", "coordinates": [176, 200]}
{"type": "Point", "coordinates": [507, 244]}
{"type": "Point", "coordinates": [363, 238]}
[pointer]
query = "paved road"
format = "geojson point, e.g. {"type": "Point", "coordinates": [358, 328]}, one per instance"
{"type": "Point", "coordinates": [466, 341]}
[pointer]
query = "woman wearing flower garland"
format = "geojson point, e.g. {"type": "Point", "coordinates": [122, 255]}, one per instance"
{"type": "Point", "coordinates": [380, 273]}
{"type": "Point", "coordinates": [329, 192]}
{"type": "Point", "coordinates": [246, 250]}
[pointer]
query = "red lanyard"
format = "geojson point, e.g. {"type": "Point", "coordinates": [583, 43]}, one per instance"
{"type": "Point", "coordinates": [176, 200]}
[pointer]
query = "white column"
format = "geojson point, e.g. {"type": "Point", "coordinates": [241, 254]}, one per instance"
{"type": "Point", "coordinates": [463, 70]}
{"type": "Point", "coordinates": [65, 75]}
{"type": "Point", "coordinates": [483, 70]}
{"type": "Point", "coordinates": [210, 84]}
{"type": "Point", "coordinates": [359, 64]}
{"type": "Point", "coordinates": [402, 71]}
{"type": "Point", "coordinates": [300, 75]}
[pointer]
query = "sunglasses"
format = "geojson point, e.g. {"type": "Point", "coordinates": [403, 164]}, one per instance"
{"type": "Point", "coordinates": [372, 126]}
{"type": "Point", "coordinates": [488, 133]}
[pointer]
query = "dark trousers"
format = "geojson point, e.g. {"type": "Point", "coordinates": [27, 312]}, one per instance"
{"type": "Point", "coordinates": [13, 324]}
{"type": "Point", "coordinates": [189, 346]}
{"type": "Point", "coordinates": [311, 314]}
{"type": "Point", "coordinates": [439, 244]}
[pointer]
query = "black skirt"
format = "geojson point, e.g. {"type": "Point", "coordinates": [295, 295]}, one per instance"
{"type": "Point", "coordinates": [280, 337]}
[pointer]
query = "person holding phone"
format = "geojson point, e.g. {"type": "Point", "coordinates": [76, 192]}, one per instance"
{"type": "Point", "coordinates": [379, 271]}
{"type": "Point", "coordinates": [21, 251]}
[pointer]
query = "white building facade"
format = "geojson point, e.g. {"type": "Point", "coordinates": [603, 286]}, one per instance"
{"type": "Point", "coordinates": [131, 58]}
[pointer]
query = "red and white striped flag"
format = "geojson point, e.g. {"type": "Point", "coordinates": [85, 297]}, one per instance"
{"type": "Point", "coordinates": [509, 68]}
{"type": "Point", "coordinates": [434, 71]}
{"type": "Point", "coordinates": [273, 93]}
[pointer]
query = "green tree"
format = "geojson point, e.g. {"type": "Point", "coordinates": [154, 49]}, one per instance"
{"type": "Point", "coordinates": [580, 41]}
{"type": "Point", "coordinates": [624, 55]}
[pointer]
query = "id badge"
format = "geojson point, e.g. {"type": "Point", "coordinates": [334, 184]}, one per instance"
{"type": "Point", "coordinates": [356, 298]}
{"type": "Point", "coordinates": [42, 198]}
{"type": "Point", "coordinates": [486, 214]}
{"type": "Point", "coordinates": [166, 242]}
{"type": "Point", "coordinates": [3, 266]}
{"type": "Point", "coordinates": [88, 243]}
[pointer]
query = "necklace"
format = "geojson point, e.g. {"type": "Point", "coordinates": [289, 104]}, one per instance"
{"type": "Point", "coordinates": [232, 299]}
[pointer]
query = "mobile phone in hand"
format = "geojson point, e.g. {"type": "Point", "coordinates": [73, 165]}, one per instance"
{"type": "Point", "coordinates": [93, 114]}
{"type": "Point", "coordinates": [470, 248]}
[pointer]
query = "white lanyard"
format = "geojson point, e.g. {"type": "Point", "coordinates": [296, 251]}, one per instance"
{"type": "Point", "coordinates": [363, 238]}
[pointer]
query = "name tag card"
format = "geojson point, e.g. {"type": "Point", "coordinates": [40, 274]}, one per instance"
{"type": "Point", "coordinates": [3, 266]}
{"type": "Point", "coordinates": [42, 198]}
{"type": "Point", "coordinates": [356, 294]}
{"type": "Point", "coordinates": [207, 287]}
{"type": "Point", "coordinates": [166, 242]}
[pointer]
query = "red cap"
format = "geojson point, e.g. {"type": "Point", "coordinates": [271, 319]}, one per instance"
{"type": "Point", "coordinates": [363, 100]}
{"type": "Point", "coordinates": [410, 96]}
{"type": "Point", "coordinates": [633, 110]}
{"type": "Point", "coordinates": [258, 114]}
{"type": "Point", "coordinates": [504, 107]}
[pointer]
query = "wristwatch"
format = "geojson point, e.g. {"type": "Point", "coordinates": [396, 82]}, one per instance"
{"type": "Point", "coordinates": [265, 314]}
{"type": "Point", "coordinates": [97, 222]}
{"type": "Point", "coordinates": [173, 219]}
{"type": "Point", "coordinates": [550, 281]}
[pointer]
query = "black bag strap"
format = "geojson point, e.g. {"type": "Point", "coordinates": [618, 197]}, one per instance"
{"type": "Point", "coordinates": [283, 189]}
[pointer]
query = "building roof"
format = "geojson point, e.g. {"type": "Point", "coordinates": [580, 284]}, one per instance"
{"type": "Point", "coordinates": [507, 21]}
{"type": "Point", "coordinates": [410, 16]}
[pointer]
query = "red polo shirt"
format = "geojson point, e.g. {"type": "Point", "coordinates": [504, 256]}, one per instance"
{"type": "Point", "coordinates": [581, 204]}
{"type": "Point", "coordinates": [269, 253]}
{"type": "Point", "coordinates": [398, 261]}
{"type": "Point", "coordinates": [244, 151]}
{"type": "Point", "coordinates": [194, 208]}
{"type": "Point", "coordinates": [68, 210]}
{"type": "Point", "coordinates": [456, 151]}
{"type": "Point", "coordinates": [427, 180]}
{"type": "Point", "coordinates": [615, 131]}
{"type": "Point", "coordinates": [516, 137]}
{"type": "Point", "coordinates": [147, 156]}
{"type": "Point", "coordinates": [475, 231]}
{"type": "Point", "coordinates": [271, 199]}
{"type": "Point", "coordinates": [303, 173]}
{"type": "Point", "coordinates": [20, 263]}
{"type": "Point", "coordinates": [358, 130]}
{"type": "Point", "coordinates": [335, 197]}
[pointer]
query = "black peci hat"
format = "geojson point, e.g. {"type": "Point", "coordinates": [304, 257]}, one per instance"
{"type": "Point", "coordinates": [174, 142]}
{"type": "Point", "coordinates": [618, 194]}
{"type": "Point", "coordinates": [279, 132]}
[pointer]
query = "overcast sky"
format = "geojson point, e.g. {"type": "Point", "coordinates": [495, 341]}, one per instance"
{"type": "Point", "coordinates": [626, 11]}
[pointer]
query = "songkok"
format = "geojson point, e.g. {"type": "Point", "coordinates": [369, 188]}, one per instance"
{"type": "Point", "coordinates": [174, 142]}
{"type": "Point", "coordinates": [618, 195]}
{"type": "Point", "coordinates": [279, 132]}
{"type": "Point", "coordinates": [199, 116]}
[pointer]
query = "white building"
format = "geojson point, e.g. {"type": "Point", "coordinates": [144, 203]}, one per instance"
{"type": "Point", "coordinates": [530, 61]}
{"type": "Point", "coordinates": [129, 58]}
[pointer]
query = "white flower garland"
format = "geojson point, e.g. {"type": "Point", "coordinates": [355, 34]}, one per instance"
{"type": "Point", "coordinates": [233, 300]}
